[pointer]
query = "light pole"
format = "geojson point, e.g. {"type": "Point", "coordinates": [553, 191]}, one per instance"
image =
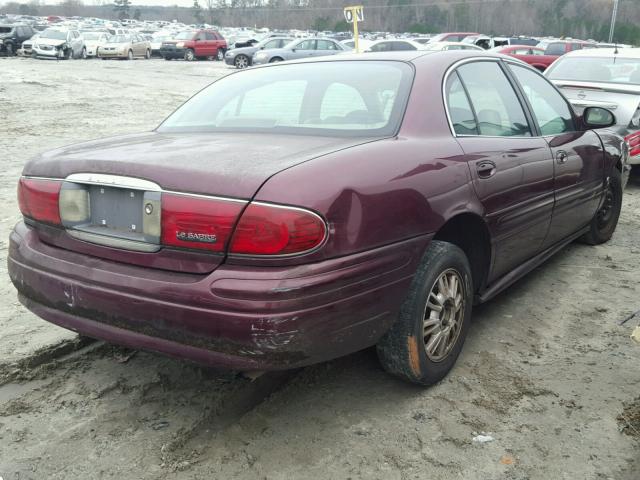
{"type": "Point", "coordinates": [613, 20]}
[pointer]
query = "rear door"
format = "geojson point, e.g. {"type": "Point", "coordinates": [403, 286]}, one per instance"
{"type": "Point", "coordinates": [211, 43]}
{"type": "Point", "coordinates": [578, 155]}
{"type": "Point", "coordinates": [326, 47]}
{"type": "Point", "coordinates": [511, 167]}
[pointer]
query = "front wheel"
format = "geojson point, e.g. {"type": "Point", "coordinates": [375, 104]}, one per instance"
{"type": "Point", "coordinates": [8, 48]}
{"type": "Point", "coordinates": [189, 55]}
{"type": "Point", "coordinates": [275, 60]}
{"type": "Point", "coordinates": [426, 339]}
{"type": "Point", "coordinates": [130, 55]}
{"type": "Point", "coordinates": [147, 54]}
{"type": "Point", "coordinates": [84, 54]}
{"type": "Point", "coordinates": [241, 61]}
{"type": "Point", "coordinates": [605, 221]}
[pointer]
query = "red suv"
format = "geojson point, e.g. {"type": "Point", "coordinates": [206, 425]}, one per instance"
{"type": "Point", "coordinates": [192, 45]}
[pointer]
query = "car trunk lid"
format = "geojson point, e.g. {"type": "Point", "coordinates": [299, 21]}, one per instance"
{"type": "Point", "coordinates": [114, 188]}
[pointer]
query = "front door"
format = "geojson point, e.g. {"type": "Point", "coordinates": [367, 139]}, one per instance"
{"type": "Point", "coordinates": [304, 49]}
{"type": "Point", "coordinates": [511, 169]}
{"type": "Point", "coordinates": [578, 156]}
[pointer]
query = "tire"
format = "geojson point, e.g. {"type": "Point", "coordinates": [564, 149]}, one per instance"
{"type": "Point", "coordinates": [220, 54]}
{"type": "Point", "coordinates": [605, 221]}
{"type": "Point", "coordinates": [9, 50]}
{"type": "Point", "coordinates": [84, 54]}
{"type": "Point", "coordinates": [147, 54]}
{"type": "Point", "coordinates": [403, 351]}
{"type": "Point", "coordinates": [130, 55]}
{"type": "Point", "coordinates": [167, 58]}
{"type": "Point", "coordinates": [241, 61]}
{"type": "Point", "coordinates": [276, 60]}
{"type": "Point", "coordinates": [189, 55]}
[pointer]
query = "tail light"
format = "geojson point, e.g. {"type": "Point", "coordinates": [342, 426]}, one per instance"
{"type": "Point", "coordinates": [38, 199]}
{"type": "Point", "coordinates": [202, 223]}
{"type": "Point", "coordinates": [266, 229]}
{"type": "Point", "coordinates": [633, 139]}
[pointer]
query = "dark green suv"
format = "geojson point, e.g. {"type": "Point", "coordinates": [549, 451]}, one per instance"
{"type": "Point", "coordinates": [12, 36]}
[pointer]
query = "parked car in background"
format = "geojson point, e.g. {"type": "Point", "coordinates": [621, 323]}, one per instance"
{"type": "Point", "coordinates": [396, 45]}
{"type": "Point", "coordinates": [93, 41]}
{"type": "Point", "coordinates": [27, 46]}
{"type": "Point", "coordinates": [350, 44]}
{"type": "Point", "coordinates": [451, 36]}
{"type": "Point", "coordinates": [156, 43]}
{"type": "Point", "coordinates": [607, 78]}
{"type": "Point", "coordinates": [194, 45]}
{"type": "Point", "coordinates": [243, 57]}
{"type": "Point", "coordinates": [12, 37]}
{"type": "Point", "coordinates": [486, 42]}
{"type": "Point", "coordinates": [59, 44]}
{"type": "Point", "coordinates": [274, 220]}
{"type": "Point", "coordinates": [125, 47]}
{"type": "Point", "coordinates": [301, 48]}
{"type": "Point", "coordinates": [558, 48]}
{"type": "Point", "coordinates": [534, 56]}
{"type": "Point", "coordinates": [442, 46]}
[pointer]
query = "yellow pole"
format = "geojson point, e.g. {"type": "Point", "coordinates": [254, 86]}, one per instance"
{"type": "Point", "coordinates": [355, 32]}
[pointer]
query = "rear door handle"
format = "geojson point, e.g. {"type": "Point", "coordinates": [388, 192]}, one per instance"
{"type": "Point", "coordinates": [486, 169]}
{"type": "Point", "coordinates": [561, 157]}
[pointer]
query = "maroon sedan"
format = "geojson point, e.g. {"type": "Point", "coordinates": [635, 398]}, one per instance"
{"type": "Point", "coordinates": [294, 213]}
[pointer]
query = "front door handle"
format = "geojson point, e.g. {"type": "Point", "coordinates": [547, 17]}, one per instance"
{"type": "Point", "coordinates": [486, 169]}
{"type": "Point", "coordinates": [561, 157]}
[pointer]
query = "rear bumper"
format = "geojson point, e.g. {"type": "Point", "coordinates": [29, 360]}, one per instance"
{"type": "Point", "coordinates": [236, 317]}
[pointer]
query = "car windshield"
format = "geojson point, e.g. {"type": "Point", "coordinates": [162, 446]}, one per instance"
{"type": "Point", "coordinates": [340, 98]}
{"type": "Point", "coordinates": [184, 36]}
{"type": "Point", "coordinates": [54, 34]}
{"type": "Point", "coordinates": [614, 69]}
{"type": "Point", "coordinates": [120, 39]}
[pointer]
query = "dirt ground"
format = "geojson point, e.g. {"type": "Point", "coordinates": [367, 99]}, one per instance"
{"type": "Point", "coordinates": [547, 371]}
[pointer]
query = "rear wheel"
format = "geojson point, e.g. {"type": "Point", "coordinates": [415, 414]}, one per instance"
{"type": "Point", "coordinates": [130, 55]}
{"type": "Point", "coordinates": [189, 55]}
{"type": "Point", "coordinates": [605, 221]}
{"type": "Point", "coordinates": [241, 61]}
{"type": "Point", "coordinates": [84, 54]}
{"type": "Point", "coordinates": [220, 54]}
{"type": "Point", "coordinates": [426, 339]}
{"type": "Point", "coordinates": [147, 54]}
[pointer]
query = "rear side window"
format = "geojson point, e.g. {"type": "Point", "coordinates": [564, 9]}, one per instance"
{"type": "Point", "coordinates": [460, 112]}
{"type": "Point", "coordinates": [326, 45]}
{"type": "Point", "coordinates": [403, 46]}
{"type": "Point", "coordinates": [209, 36]}
{"type": "Point", "coordinates": [555, 49]}
{"type": "Point", "coordinates": [496, 105]}
{"type": "Point", "coordinates": [550, 109]}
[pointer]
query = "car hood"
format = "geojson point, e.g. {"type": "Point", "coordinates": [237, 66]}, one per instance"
{"type": "Point", "coordinates": [233, 165]}
{"type": "Point", "coordinates": [50, 41]}
{"type": "Point", "coordinates": [117, 45]}
{"type": "Point", "coordinates": [622, 99]}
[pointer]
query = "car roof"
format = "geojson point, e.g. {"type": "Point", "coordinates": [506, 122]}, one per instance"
{"type": "Point", "coordinates": [606, 52]}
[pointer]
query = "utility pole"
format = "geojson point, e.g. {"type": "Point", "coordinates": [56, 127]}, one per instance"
{"type": "Point", "coordinates": [613, 20]}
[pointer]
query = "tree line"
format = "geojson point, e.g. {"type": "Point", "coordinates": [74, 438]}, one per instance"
{"type": "Point", "coordinates": [575, 18]}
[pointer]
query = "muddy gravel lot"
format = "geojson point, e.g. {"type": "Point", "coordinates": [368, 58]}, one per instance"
{"type": "Point", "coordinates": [548, 374]}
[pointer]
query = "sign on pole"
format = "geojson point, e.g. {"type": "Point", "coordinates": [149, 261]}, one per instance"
{"type": "Point", "coordinates": [354, 15]}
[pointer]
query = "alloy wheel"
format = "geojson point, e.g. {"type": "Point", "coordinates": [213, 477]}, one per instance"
{"type": "Point", "coordinates": [444, 314]}
{"type": "Point", "coordinates": [189, 56]}
{"type": "Point", "coordinates": [241, 61]}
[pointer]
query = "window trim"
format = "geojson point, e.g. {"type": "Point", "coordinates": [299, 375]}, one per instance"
{"type": "Point", "coordinates": [516, 88]}
{"type": "Point", "coordinates": [533, 115]}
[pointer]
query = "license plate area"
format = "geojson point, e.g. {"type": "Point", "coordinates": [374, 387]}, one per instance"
{"type": "Point", "coordinates": [112, 215]}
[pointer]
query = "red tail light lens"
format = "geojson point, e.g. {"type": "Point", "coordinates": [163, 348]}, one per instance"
{"type": "Point", "coordinates": [198, 222]}
{"type": "Point", "coordinates": [38, 199]}
{"type": "Point", "coordinates": [274, 230]}
{"type": "Point", "coordinates": [633, 139]}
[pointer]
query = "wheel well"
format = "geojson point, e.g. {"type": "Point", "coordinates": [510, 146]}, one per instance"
{"type": "Point", "coordinates": [470, 233]}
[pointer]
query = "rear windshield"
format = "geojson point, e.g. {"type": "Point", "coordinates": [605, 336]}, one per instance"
{"type": "Point", "coordinates": [120, 39]}
{"type": "Point", "coordinates": [6, 29]}
{"type": "Point", "coordinates": [343, 98]}
{"type": "Point", "coordinates": [612, 69]}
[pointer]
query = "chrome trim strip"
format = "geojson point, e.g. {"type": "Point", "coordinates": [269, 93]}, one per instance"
{"type": "Point", "coordinates": [113, 242]}
{"type": "Point", "coordinates": [113, 181]}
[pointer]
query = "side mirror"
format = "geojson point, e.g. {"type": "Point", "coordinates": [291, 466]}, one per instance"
{"type": "Point", "coordinates": [597, 117]}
